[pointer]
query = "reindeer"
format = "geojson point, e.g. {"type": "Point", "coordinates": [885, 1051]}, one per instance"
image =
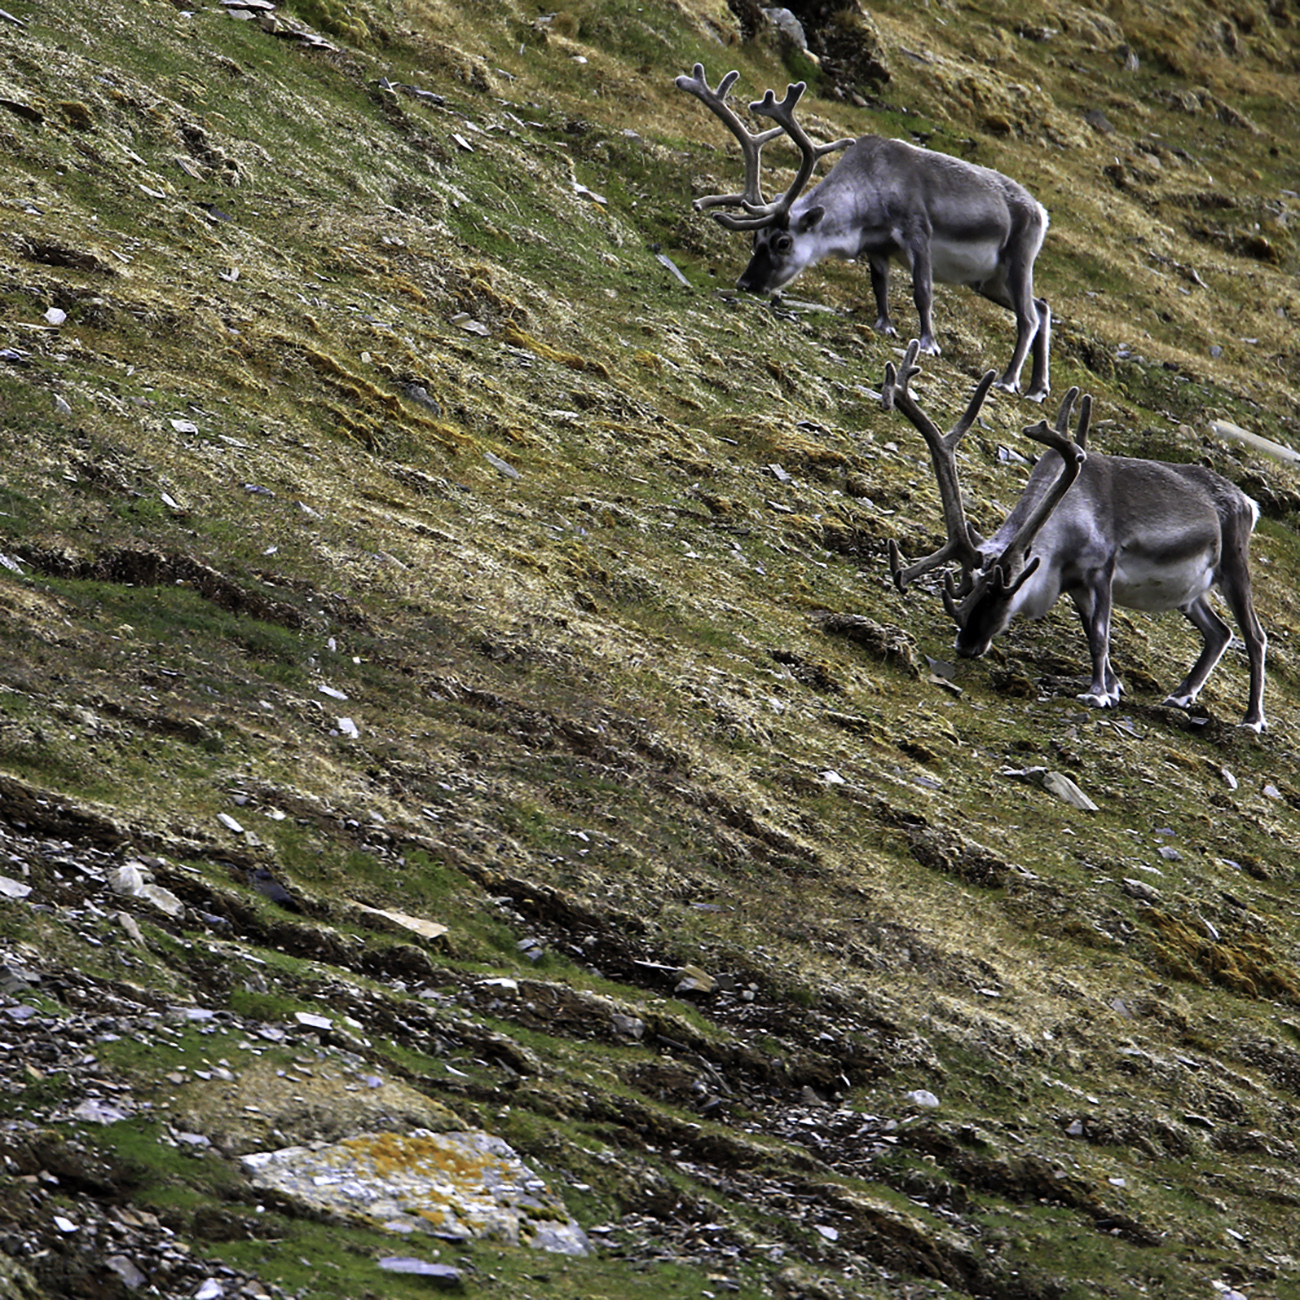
{"type": "Point", "coordinates": [1104, 530]}
{"type": "Point", "coordinates": [943, 218]}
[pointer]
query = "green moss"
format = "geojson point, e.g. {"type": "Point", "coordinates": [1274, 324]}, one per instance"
{"type": "Point", "coordinates": [350, 22]}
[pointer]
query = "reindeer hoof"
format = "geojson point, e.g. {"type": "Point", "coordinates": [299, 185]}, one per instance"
{"type": "Point", "coordinates": [1178, 701]}
{"type": "Point", "coordinates": [930, 348]}
{"type": "Point", "coordinates": [1037, 395]}
{"type": "Point", "coordinates": [1257, 725]}
{"type": "Point", "coordinates": [1096, 701]}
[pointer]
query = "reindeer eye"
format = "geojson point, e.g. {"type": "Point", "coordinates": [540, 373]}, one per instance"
{"type": "Point", "coordinates": [782, 242]}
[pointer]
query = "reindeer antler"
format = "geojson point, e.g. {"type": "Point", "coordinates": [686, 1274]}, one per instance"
{"type": "Point", "coordinates": [1072, 454]}
{"type": "Point", "coordinates": [769, 214]}
{"type": "Point", "coordinates": [751, 143]}
{"type": "Point", "coordinates": [1013, 568]}
{"type": "Point", "coordinates": [963, 542]}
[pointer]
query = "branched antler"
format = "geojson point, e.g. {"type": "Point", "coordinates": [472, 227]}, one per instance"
{"type": "Point", "coordinates": [782, 113]}
{"type": "Point", "coordinates": [1003, 577]}
{"type": "Point", "coordinates": [963, 542]}
{"type": "Point", "coordinates": [1072, 455]}
{"type": "Point", "coordinates": [751, 143]}
{"type": "Point", "coordinates": [760, 213]}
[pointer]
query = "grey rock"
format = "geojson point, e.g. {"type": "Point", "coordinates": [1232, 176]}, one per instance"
{"type": "Point", "coordinates": [443, 1275]}
{"type": "Point", "coordinates": [1140, 890]}
{"type": "Point", "coordinates": [629, 1026]}
{"type": "Point", "coordinates": [471, 1183]}
{"type": "Point", "coordinates": [501, 466]}
{"type": "Point", "coordinates": [94, 1111]}
{"type": "Point", "coordinates": [694, 980]}
{"type": "Point", "coordinates": [669, 265]}
{"type": "Point", "coordinates": [418, 393]}
{"type": "Point", "coordinates": [785, 24]}
{"type": "Point", "coordinates": [132, 1278]}
{"type": "Point", "coordinates": [1055, 783]}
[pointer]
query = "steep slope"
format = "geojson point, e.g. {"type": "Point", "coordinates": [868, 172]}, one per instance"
{"type": "Point", "coordinates": [389, 535]}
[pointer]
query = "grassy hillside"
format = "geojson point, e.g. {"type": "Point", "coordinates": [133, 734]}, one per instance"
{"type": "Point", "coordinates": [387, 528]}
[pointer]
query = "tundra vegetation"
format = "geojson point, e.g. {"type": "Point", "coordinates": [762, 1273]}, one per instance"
{"type": "Point", "coordinates": [387, 530]}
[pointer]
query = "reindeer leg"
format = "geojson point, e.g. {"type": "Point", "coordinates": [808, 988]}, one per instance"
{"type": "Point", "coordinates": [918, 248]}
{"type": "Point", "coordinates": [1094, 607]}
{"type": "Point", "coordinates": [880, 287]}
{"type": "Point", "coordinates": [1016, 293]}
{"type": "Point", "coordinates": [1039, 384]}
{"type": "Point", "coordinates": [1217, 636]}
{"type": "Point", "coordinates": [1234, 582]}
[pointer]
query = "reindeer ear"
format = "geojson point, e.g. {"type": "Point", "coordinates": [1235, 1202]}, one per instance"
{"type": "Point", "coordinates": [810, 219]}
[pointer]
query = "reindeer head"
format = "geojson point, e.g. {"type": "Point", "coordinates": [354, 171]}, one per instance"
{"type": "Point", "coordinates": [783, 243]}
{"type": "Point", "coordinates": [984, 605]}
{"type": "Point", "coordinates": [781, 251]}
